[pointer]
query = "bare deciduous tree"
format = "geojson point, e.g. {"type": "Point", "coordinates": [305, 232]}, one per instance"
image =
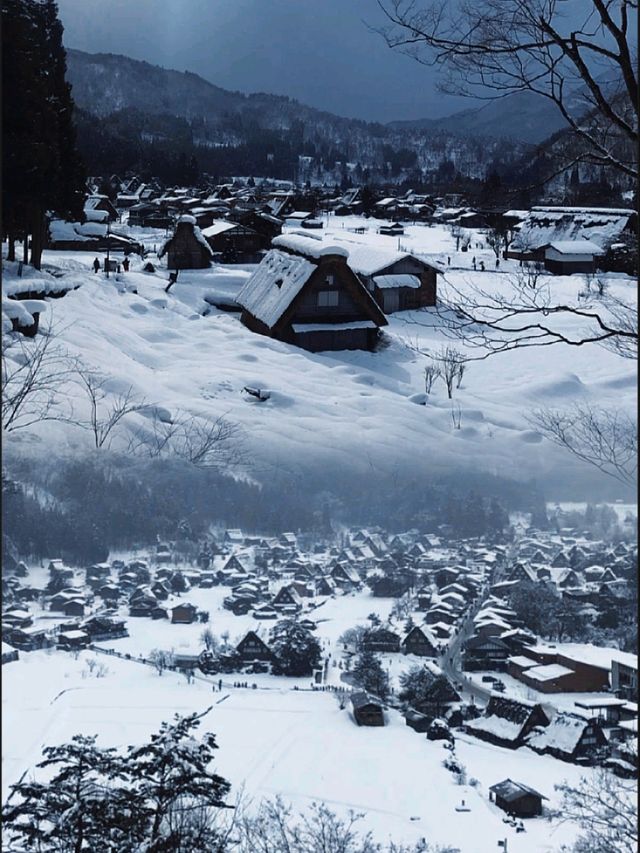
{"type": "Point", "coordinates": [160, 659]}
{"type": "Point", "coordinates": [431, 373]}
{"type": "Point", "coordinates": [497, 240]}
{"type": "Point", "coordinates": [524, 312]}
{"type": "Point", "coordinates": [216, 443]}
{"type": "Point", "coordinates": [450, 360]}
{"type": "Point", "coordinates": [34, 372]}
{"type": "Point", "coordinates": [604, 438]}
{"type": "Point", "coordinates": [584, 63]}
{"type": "Point", "coordinates": [105, 411]}
{"type": "Point", "coordinates": [606, 810]}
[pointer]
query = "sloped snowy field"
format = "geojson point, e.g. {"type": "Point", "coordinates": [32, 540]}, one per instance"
{"type": "Point", "coordinates": [278, 741]}
{"type": "Point", "coordinates": [345, 411]}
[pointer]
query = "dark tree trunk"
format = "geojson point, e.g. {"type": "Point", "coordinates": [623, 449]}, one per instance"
{"type": "Point", "coordinates": [25, 248]}
{"type": "Point", "coordinates": [37, 239]}
{"type": "Point", "coordinates": [11, 251]}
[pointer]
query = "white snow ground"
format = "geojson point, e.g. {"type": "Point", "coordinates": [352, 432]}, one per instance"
{"type": "Point", "coordinates": [298, 744]}
{"type": "Point", "coordinates": [342, 412]}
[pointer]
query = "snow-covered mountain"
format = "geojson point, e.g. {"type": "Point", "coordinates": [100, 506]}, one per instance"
{"type": "Point", "coordinates": [108, 84]}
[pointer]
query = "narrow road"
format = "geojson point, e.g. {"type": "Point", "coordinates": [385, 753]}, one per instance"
{"type": "Point", "coordinates": [450, 662]}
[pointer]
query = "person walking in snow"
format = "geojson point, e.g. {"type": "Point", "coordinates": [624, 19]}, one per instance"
{"type": "Point", "coordinates": [96, 265]}
{"type": "Point", "coordinates": [482, 265]}
{"type": "Point", "coordinates": [497, 263]}
{"type": "Point", "coordinates": [473, 261]}
{"type": "Point", "coordinates": [448, 260]}
{"type": "Point", "coordinates": [125, 265]}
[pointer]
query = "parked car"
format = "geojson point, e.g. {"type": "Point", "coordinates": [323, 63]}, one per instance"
{"type": "Point", "coordinates": [488, 678]}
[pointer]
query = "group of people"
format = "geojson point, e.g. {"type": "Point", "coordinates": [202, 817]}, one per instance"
{"type": "Point", "coordinates": [124, 266]}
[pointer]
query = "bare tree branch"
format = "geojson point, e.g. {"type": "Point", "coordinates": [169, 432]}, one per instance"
{"type": "Point", "coordinates": [604, 438]}
{"type": "Point", "coordinates": [524, 313]}
{"type": "Point", "coordinates": [34, 371]}
{"type": "Point", "coordinates": [203, 442]}
{"type": "Point", "coordinates": [105, 411]}
{"type": "Point", "coordinates": [495, 48]}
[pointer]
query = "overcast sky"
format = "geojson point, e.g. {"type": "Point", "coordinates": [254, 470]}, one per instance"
{"type": "Point", "coordinates": [318, 51]}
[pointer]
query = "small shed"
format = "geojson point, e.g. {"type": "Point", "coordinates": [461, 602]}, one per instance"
{"type": "Point", "coordinates": [183, 614]}
{"type": "Point", "coordinates": [187, 249]}
{"type": "Point", "coordinates": [516, 799]}
{"type": "Point", "coordinates": [417, 721]}
{"type": "Point", "coordinates": [367, 710]}
{"type": "Point", "coordinates": [73, 640]}
{"type": "Point", "coordinates": [565, 257]}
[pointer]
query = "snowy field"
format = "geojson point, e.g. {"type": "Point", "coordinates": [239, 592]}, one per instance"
{"type": "Point", "coordinates": [279, 741]}
{"type": "Point", "coordinates": [358, 407]}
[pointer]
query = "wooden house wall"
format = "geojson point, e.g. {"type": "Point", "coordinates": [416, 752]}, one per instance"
{"type": "Point", "coordinates": [569, 267]}
{"type": "Point", "coordinates": [346, 339]}
{"type": "Point", "coordinates": [527, 805]}
{"type": "Point", "coordinates": [370, 715]}
{"type": "Point", "coordinates": [306, 307]}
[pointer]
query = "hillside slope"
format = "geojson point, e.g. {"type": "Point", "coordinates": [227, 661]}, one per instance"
{"type": "Point", "coordinates": [524, 117]}
{"type": "Point", "coordinates": [332, 415]}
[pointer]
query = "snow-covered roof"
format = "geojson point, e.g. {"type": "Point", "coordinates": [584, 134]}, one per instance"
{"type": "Point", "coordinates": [522, 661]}
{"type": "Point", "coordinates": [218, 228]}
{"type": "Point", "coordinates": [604, 702]}
{"type": "Point", "coordinates": [386, 282]}
{"type": "Point", "coordinates": [186, 217]}
{"type": "Point", "coordinates": [548, 672]}
{"type": "Point", "coordinates": [576, 247]}
{"type": "Point", "coordinates": [369, 260]}
{"type": "Point", "coordinates": [544, 225]}
{"type": "Point", "coordinates": [274, 285]}
{"type": "Point", "coordinates": [311, 246]}
{"type": "Point", "coordinates": [498, 726]}
{"type": "Point", "coordinates": [563, 733]}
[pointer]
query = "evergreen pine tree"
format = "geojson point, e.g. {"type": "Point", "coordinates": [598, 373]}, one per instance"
{"type": "Point", "coordinates": [296, 651]}
{"type": "Point", "coordinates": [173, 777]}
{"type": "Point", "coordinates": [369, 674]}
{"type": "Point", "coordinates": [41, 168]}
{"type": "Point", "coordinates": [83, 806]}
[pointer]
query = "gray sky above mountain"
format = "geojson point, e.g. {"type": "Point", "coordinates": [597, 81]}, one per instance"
{"type": "Point", "coordinates": [321, 53]}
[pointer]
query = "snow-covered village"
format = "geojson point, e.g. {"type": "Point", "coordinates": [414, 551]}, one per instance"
{"type": "Point", "coordinates": [319, 391]}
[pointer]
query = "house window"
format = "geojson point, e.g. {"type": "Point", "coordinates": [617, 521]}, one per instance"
{"type": "Point", "coordinates": [328, 299]}
{"type": "Point", "coordinates": [330, 279]}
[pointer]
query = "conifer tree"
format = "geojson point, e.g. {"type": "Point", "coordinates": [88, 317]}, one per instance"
{"type": "Point", "coordinates": [370, 676]}
{"type": "Point", "coordinates": [41, 170]}
{"type": "Point", "coordinates": [296, 651]}
{"type": "Point", "coordinates": [172, 776]}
